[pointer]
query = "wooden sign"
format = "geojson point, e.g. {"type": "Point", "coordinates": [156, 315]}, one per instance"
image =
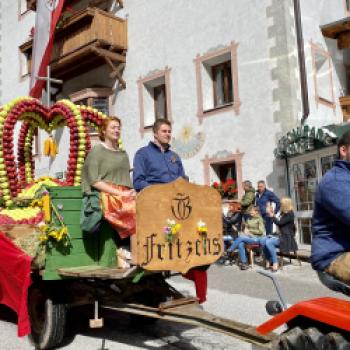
{"type": "Point", "coordinates": [193, 214]}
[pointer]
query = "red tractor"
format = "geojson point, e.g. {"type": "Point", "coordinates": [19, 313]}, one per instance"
{"type": "Point", "coordinates": [316, 324]}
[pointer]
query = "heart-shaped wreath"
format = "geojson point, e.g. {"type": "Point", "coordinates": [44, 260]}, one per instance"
{"type": "Point", "coordinates": [13, 177]}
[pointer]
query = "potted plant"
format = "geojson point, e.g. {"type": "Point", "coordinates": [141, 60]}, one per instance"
{"type": "Point", "coordinates": [227, 189]}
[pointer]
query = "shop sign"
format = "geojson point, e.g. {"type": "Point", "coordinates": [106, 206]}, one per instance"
{"type": "Point", "coordinates": [301, 140]}
{"type": "Point", "coordinates": [179, 226]}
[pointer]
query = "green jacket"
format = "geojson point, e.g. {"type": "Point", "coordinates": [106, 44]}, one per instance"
{"type": "Point", "coordinates": [247, 201]}
{"type": "Point", "coordinates": [255, 226]}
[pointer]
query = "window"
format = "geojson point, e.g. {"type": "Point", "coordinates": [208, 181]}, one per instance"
{"type": "Point", "coordinates": [225, 171]}
{"type": "Point", "coordinates": [24, 65]}
{"type": "Point", "coordinates": [306, 172]}
{"type": "Point", "coordinates": [223, 166]}
{"type": "Point", "coordinates": [22, 8]}
{"type": "Point", "coordinates": [154, 99]}
{"type": "Point", "coordinates": [323, 79]}
{"type": "Point", "coordinates": [98, 98]}
{"type": "Point", "coordinates": [222, 84]}
{"type": "Point", "coordinates": [159, 95]}
{"type": "Point", "coordinates": [305, 181]}
{"type": "Point", "coordinates": [217, 82]}
{"type": "Point", "coordinates": [327, 163]}
{"type": "Point", "coordinates": [347, 5]}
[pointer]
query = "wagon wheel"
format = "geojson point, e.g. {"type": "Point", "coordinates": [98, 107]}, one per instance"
{"type": "Point", "coordinates": [47, 319]}
{"type": "Point", "coordinates": [310, 339]}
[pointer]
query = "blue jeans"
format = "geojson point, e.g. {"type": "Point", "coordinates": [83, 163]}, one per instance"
{"type": "Point", "coordinates": [239, 243]}
{"type": "Point", "coordinates": [269, 244]}
{"type": "Point", "coordinates": [268, 224]}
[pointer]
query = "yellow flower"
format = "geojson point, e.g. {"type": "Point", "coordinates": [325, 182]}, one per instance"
{"type": "Point", "coordinates": [43, 228]}
{"type": "Point", "coordinates": [53, 234]}
{"type": "Point", "coordinates": [42, 238]}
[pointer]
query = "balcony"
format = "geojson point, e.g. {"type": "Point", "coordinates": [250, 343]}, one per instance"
{"type": "Point", "coordinates": [85, 40]}
{"type": "Point", "coordinates": [345, 106]}
{"type": "Point", "coordinates": [31, 4]}
{"type": "Point", "coordinates": [340, 31]}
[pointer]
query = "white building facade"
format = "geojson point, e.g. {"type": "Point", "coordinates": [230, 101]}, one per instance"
{"type": "Point", "coordinates": [226, 73]}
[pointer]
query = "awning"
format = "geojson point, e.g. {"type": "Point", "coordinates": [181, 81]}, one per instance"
{"type": "Point", "coordinates": [306, 138]}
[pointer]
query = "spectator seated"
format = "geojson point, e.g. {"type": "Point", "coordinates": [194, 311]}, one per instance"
{"type": "Point", "coordinates": [332, 283]}
{"type": "Point", "coordinates": [250, 247]}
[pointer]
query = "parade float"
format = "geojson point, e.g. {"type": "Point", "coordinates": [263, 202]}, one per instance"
{"type": "Point", "coordinates": [48, 264]}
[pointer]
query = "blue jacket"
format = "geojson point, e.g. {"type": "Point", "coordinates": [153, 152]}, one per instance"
{"type": "Point", "coordinates": [331, 218]}
{"type": "Point", "coordinates": [266, 197]}
{"type": "Point", "coordinates": [152, 166]}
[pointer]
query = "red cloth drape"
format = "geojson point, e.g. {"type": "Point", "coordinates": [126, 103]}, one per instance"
{"type": "Point", "coordinates": [120, 211]}
{"type": "Point", "coordinates": [200, 279]}
{"type": "Point", "coordinates": [15, 280]}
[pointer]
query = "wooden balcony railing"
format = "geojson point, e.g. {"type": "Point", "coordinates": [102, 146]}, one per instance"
{"type": "Point", "coordinates": [86, 39]}
{"type": "Point", "coordinates": [31, 4]}
{"type": "Point", "coordinates": [345, 106]}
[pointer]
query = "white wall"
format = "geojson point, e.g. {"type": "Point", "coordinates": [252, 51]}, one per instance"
{"type": "Point", "coordinates": [315, 14]}
{"type": "Point", "coordinates": [171, 33]}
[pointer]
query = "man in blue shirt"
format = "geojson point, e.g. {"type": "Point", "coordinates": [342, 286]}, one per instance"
{"type": "Point", "coordinates": [156, 163]}
{"type": "Point", "coordinates": [264, 198]}
{"type": "Point", "coordinates": [330, 249]}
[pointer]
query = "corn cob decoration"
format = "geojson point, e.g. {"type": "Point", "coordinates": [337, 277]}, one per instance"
{"type": "Point", "coordinates": [50, 147]}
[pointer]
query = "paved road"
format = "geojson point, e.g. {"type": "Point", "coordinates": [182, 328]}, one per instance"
{"type": "Point", "coordinates": [234, 294]}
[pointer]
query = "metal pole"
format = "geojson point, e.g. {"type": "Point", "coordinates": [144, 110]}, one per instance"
{"type": "Point", "coordinates": [48, 85]}
{"type": "Point", "coordinates": [277, 287]}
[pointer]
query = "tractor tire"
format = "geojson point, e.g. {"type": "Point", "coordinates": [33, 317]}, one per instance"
{"type": "Point", "coordinates": [335, 341]}
{"type": "Point", "coordinates": [293, 339]}
{"type": "Point", "coordinates": [310, 339]}
{"type": "Point", "coordinates": [48, 320]}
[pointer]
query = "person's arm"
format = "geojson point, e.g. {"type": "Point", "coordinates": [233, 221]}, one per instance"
{"type": "Point", "coordinates": [181, 170]}
{"type": "Point", "coordinates": [105, 187]}
{"type": "Point", "coordinates": [139, 173]}
{"type": "Point", "coordinates": [284, 219]}
{"type": "Point", "coordinates": [275, 199]}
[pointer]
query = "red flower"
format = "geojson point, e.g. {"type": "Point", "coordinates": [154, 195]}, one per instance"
{"type": "Point", "coordinates": [215, 185]}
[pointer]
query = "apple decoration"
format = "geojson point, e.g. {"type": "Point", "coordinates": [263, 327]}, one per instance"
{"type": "Point", "coordinates": [33, 115]}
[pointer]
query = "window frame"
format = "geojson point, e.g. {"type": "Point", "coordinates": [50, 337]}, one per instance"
{"type": "Point", "coordinates": [228, 158]}
{"type": "Point", "coordinates": [89, 94]}
{"type": "Point", "coordinates": [21, 14]}
{"type": "Point", "coordinates": [315, 48]}
{"type": "Point", "coordinates": [200, 62]}
{"type": "Point", "coordinates": [142, 82]}
{"type": "Point", "coordinates": [23, 62]}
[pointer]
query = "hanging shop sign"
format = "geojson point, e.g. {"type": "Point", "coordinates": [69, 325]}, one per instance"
{"type": "Point", "coordinates": [303, 139]}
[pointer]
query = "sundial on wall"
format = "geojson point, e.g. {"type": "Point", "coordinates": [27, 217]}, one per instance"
{"type": "Point", "coordinates": [188, 143]}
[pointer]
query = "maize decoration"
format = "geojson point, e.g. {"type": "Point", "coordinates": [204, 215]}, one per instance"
{"type": "Point", "coordinates": [50, 147]}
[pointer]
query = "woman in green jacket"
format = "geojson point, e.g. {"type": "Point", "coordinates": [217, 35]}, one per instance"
{"type": "Point", "coordinates": [253, 231]}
